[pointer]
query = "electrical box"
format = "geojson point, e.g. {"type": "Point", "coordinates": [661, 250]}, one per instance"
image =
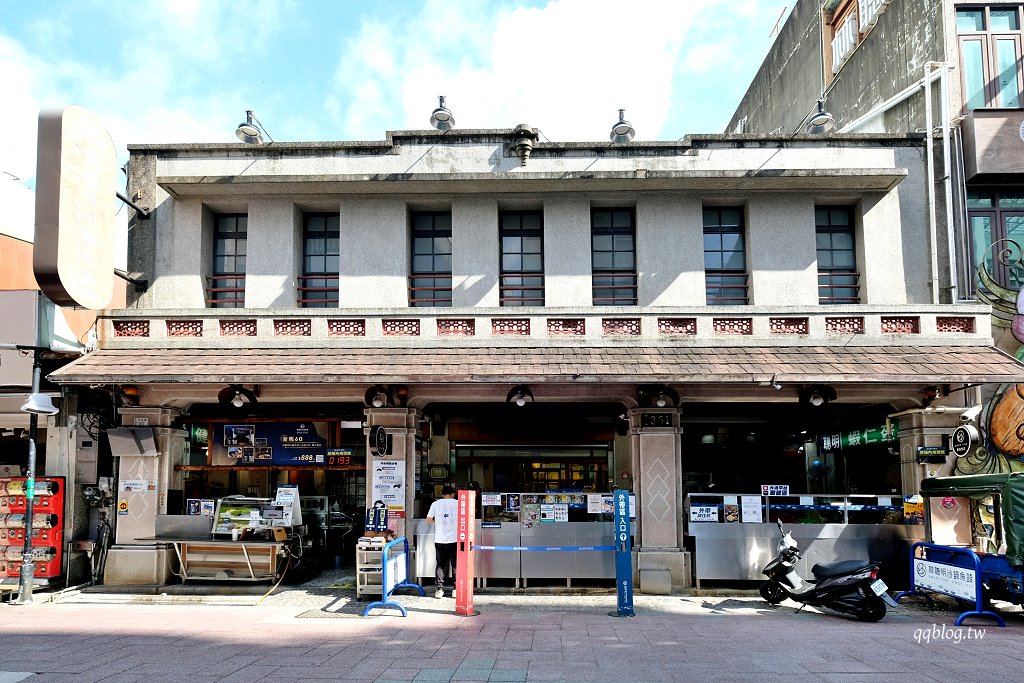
{"type": "Point", "coordinates": [86, 458]}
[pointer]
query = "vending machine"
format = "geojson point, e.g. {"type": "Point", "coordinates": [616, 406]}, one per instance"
{"type": "Point", "coordinates": [47, 528]}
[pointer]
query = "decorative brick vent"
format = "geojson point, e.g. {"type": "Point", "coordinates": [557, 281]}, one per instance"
{"type": "Point", "coordinates": [293, 328]}
{"type": "Point", "coordinates": [567, 327]}
{"type": "Point", "coordinates": [901, 325]}
{"type": "Point", "coordinates": [461, 327]}
{"type": "Point", "coordinates": [131, 328]}
{"type": "Point", "coordinates": [788, 326]}
{"type": "Point", "coordinates": [238, 328]}
{"type": "Point", "coordinates": [962, 325]}
{"type": "Point", "coordinates": [627, 326]}
{"type": "Point", "coordinates": [677, 326]}
{"type": "Point", "coordinates": [733, 325]}
{"type": "Point", "coordinates": [346, 328]}
{"type": "Point", "coordinates": [517, 326]}
{"type": "Point", "coordinates": [401, 328]}
{"type": "Point", "coordinates": [184, 328]}
{"type": "Point", "coordinates": [844, 325]}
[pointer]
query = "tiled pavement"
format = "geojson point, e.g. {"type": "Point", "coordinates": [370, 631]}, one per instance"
{"type": "Point", "coordinates": [314, 633]}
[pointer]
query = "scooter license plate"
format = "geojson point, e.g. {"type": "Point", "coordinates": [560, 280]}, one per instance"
{"type": "Point", "coordinates": [878, 587]}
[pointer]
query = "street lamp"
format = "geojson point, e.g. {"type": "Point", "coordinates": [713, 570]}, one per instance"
{"type": "Point", "coordinates": [36, 405]}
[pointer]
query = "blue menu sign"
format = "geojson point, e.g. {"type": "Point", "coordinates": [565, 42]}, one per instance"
{"type": "Point", "coordinates": [623, 556]}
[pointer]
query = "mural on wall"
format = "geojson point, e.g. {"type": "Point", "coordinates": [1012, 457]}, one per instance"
{"type": "Point", "coordinates": [1002, 420]}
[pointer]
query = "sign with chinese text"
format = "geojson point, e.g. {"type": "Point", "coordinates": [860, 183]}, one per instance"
{"type": "Point", "coordinates": [388, 485]}
{"type": "Point", "coordinates": [750, 509]}
{"type": "Point", "coordinates": [270, 443]}
{"type": "Point", "coordinates": [703, 513]}
{"type": "Point", "coordinates": [859, 437]}
{"type": "Point", "coordinates": [774, 489]}
{"type": "Point", "coordinates": [943, 578]}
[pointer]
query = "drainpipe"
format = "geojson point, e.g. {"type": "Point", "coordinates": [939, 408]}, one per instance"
{"type": "Point", "coordinates": [933, 236]}
{"type": "Point", "coordinates": [947, 178]}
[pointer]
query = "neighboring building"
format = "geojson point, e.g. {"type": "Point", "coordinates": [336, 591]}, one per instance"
{"type": "Point", "coordinates": [948, 66]}
{"type": "Point", "coordinates": [541, 318]}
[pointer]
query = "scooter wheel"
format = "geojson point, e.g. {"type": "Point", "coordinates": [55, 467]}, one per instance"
{"type": "Point", "coordinates": [773, 593]}
{"type": "Point", "coordinates": [872, 611]}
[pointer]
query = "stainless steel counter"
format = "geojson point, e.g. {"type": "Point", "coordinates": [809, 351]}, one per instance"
{"type": "Point", "coordinates": [528, 564]}
{"type": "Point", "coordinates": [739, 551]}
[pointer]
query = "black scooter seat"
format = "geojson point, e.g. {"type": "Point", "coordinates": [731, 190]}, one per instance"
{"type": "Point", "coordinates": [827, 570]}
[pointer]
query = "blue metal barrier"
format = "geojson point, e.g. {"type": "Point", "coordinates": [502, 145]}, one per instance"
{"type": "Point", "coordinates": [950, 571]}
{"type": "Point", "coordinates": [394, 572]}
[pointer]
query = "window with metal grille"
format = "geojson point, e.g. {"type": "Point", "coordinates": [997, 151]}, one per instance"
{"type": "Point", "coordinates": [318, 284]}
{"type": "Point", "coordinates": [613, 257]}
{"type": "Point", "coordinates": [430, 283]}
{"type": "Point", "coordinates": [522, 258]}
{"type": "Point", "coordinates": [226, 287]}
{"type": "Point", "coordinates": [725, 256]}
{"type": "Point", "coordinates": [838, 279]}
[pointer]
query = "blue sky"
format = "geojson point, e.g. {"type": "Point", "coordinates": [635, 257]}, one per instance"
{"type": "Point", "coordinates": [186, 70]}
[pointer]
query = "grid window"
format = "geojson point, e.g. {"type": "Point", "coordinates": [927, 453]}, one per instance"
{"type": "Point", "coordinates": [990, 55]}
{"type": "Point", "coordinates": [996, 222]}
{"type": "Point", "coordinates": [431, 280]}
{"type": "Point", "coordinates": [522, 258]}
{"type": "Point", "coordinates": [725, 258]}
{"type": "Point", "coordinates": [613, 257]}
{"type": "Point", "coordinates": [227, 285]}
{"type": "Point", "coordinates": [320, 253]}
{"type": "Point", "coordinates": [838, 279]}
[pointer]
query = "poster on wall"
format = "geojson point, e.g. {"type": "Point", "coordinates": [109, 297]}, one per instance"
{"type": "Point", "coordinates": [389, 485]}
{"type": "Point", "coordinates": [270, 443]}
{"type": "Point", "coordinates": [750, 508]}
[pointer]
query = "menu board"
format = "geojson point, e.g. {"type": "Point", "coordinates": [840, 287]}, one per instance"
{"type": "Point", "coordinates": [269, 443]}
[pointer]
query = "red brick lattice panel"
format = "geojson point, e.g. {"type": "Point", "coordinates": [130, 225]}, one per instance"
{"type": "Point", "coordinates": [346, 328]}
{"type": "Point", "coordinates": [733, 325]}
{"type": "Point", "coordinates": [184, 328]}
{"type": "Point", "coordinates": [901, 325]}
{"type": "Point", "coordinates": [131, 328]}
{"type": "Point", "coordinates": [677, 326]}
{"type": "Point", "coordinates": [238, 328]}
{"type": "Point", "coordinates": [516, 326]}
{"type": "Point", "coordinates": [627, 326]}
{"type": "Point", "coordinates": [788, 326]}
{"type": "Point", "coordinates": [459, 327]}
{"type": "Point", "coordinates": [844, 325]}
{"type": "Point", "coordinates": [961, 324]}
{"type": "Point", "coordinates": [401, 328]}
{"type": "Point", "coordinates": [293, 328]}
{"type": "Point", "coordinates": [567, 327]}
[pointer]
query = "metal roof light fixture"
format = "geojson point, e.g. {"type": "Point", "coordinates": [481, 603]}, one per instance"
{"type": "Point", "coordinates": [442, 117]}
{"type": "Point", "coordinates": [237, 396]}
{"type": "Point", "coordinates": [818, 395]}
{"type": "Point", "coordinates": [623, 131]}
{"type": "Point", "coordinates": [520, 395]}
{"type": "Point", "coordinates": [251, 131]}
{"type": "Point", "coordinates": [820, 121]}
{"type": "Point", "coordinates": [39, 404]}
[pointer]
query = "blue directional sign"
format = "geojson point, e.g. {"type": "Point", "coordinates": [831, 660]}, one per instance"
{"type": "Point", "coordinates": [623, 555]}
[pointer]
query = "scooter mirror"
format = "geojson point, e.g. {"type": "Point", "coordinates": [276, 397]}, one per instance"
{"type": "Point", "coordinates": [779, 522]}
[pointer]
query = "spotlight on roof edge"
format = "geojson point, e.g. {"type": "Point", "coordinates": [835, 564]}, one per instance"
{"type": "Point", "coordinates": [623, 131]}
{"type": "Point", "coordinates": [251, 131]}
{"type": "Point", "coordinates": [821, 121]}
{"type": "Point", "coordinates": [441, 118]}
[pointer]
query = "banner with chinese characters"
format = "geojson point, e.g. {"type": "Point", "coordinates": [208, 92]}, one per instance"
{"type": "Point", "coordinates": [859, 437]}
{"type": "Point", "coordinates": [269, 443]}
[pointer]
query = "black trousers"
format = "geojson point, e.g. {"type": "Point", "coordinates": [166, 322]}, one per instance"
{"type": "Point", "coordinates": [444, 554]}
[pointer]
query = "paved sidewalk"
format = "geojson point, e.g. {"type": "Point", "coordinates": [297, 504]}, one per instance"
{"type": "Point", "coordinates": [314, 632]}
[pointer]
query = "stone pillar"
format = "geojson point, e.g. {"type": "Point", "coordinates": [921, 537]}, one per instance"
{"type": "Point", "coordinates": [924, 427]}
{"type": "Point", "coordinates": [135, 559]}
{"type": "Point", "coordinates": [402, 426]}
{"type": "Point", "coordinates": [657, 482]}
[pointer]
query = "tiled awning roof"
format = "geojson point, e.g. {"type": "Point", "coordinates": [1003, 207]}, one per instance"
{"type": "Point", "coordinates": [718, 365]}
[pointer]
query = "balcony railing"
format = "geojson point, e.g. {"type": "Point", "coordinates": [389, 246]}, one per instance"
{"type": "Point", "coordinates": [838, 287]}
{"type": "Point", "coordinates": [226, 290]}
{"type": "Point", "coordinates": [726, 288]}
{"type": "Point", "coordinates": [430, 290]}
{"type": "Point", "coordinates": [522, 288]}
{"type": "Point", "coordinates": [612, 288]}
{"type": "Point", "coordinates": [318, 291]}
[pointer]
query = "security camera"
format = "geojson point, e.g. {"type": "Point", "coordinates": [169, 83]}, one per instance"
{"type": "Point", "coordinates": [970, 414]}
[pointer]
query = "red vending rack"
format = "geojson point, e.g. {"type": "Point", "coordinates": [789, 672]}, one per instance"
{"type": "Point", "coordinates": [47, 526]}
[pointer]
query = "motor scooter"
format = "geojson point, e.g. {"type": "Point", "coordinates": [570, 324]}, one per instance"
{"type": "Point", "coordinates": [850, 586]}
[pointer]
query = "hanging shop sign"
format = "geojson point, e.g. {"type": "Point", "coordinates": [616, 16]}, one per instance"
{"type": "Point", "coordinates": [379, 441]}
{"type": "Point", "coordinates": [859, 437]}
{"type": "Point", "coordinates": [963, 439]}
{"type": "Point", "coordinates": [270, 443]}
{"type": "Point", "coordinates": [931, 454]}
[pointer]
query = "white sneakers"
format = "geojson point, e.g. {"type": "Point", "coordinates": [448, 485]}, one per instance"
{"type": "Point", "coordinates": [439, 593]}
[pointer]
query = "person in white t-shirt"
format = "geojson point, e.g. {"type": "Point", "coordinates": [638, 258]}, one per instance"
{"type": "Point", "coordinates": [444, 514]}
